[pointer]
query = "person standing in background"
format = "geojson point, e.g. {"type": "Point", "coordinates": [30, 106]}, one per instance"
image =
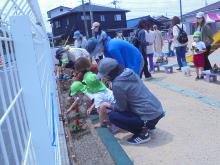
{"type": "Point", "coordinates": [158, 42]}
{"type": "Point", "coordinates": [180, 47]}
{"type": "Point", "coordinates": [119, 35]}
{"type": "Point", "coordinates": [100, 35]}
{"type": "Point", "coordinates": [206, 37]}
{"type": "Point", "coordinates": [170, 41]}
{"type": "Point", "coordinates": [142, 44]}
{"type": "Point", "coordinates": [150, 48]}
{"type": "Point", "coordinates": [80, 41]}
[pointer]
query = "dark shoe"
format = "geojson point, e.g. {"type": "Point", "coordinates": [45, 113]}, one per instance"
{"type": "Point", "coordinates": [178, 69]}
{"type": "Point", "coordinates": [148, 78]}
{"type": "Point", "coordinates": [197, 78]}
{"type": "Point", "coordinates": [139, 139]}
{"type": "Point", "coordinates": [201, 77]}
{"type": "Point", "coordinates": [152, 130]}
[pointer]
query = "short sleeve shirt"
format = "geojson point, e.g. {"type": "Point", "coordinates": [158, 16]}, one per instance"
{"type": "Point", "coordinates": [103, 96]}
{"type": "Point", "coordinates": [198, 45]}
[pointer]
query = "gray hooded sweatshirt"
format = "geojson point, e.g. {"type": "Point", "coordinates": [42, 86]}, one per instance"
{"type": "Point", "coordinates": [132, 95]}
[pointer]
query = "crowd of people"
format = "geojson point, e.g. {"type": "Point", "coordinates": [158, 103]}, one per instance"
{"type": "Point", "coordinates": [108, 73]}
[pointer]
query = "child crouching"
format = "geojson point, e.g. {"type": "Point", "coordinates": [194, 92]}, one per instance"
{"type": "Point", "coordinates": [76, 113]}
{"type": "Point", "coordinates": [103, 98]}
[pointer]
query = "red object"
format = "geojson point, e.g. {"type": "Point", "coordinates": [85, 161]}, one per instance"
{"type": "Point", "coordinates": [198, 60]}
{"type": "Point", "coordinates": [94, 68]}
{"type": "Point", "coordinates": [79, 76]}
{"type": "Point", "coordinates": [77, 122]}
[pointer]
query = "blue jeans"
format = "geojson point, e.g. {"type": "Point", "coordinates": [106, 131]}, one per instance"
{"type": "Point", "coordinates": [151, 61]}
{"type": "Point", "coordinates": [171, 52]}
{"type": "Point", "coordinates": [181, 56]}
{"type": "Point", "coordinates": [131, 122]}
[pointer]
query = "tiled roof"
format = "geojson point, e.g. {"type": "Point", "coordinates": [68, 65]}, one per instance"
{"type": "Point", "coordinates": [134, 22]}
{"type": "Point", "coordinates": [60, 7]}
{"type": "Point", "coordinates": [95, 8]}
{"type": "Point", "coordinates": [209, 8]}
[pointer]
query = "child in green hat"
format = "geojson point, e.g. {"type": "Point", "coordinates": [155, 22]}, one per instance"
{"type": "Point", "coordinates": [77, 112]}
{"type": "Point", "coordinates": [101, 95]}
{"type": "Point", "coordinates": [198, 49]}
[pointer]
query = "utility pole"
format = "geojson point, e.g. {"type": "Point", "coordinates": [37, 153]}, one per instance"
{"type": "Point", "coordinates": [206, 3]}
{"type": "Point", "coordinates": [85, 20]}
{"type": "Point", "coordinates": [181, 11]}
{"type": "Point", "coordinates": [115, 3]}
{"type": "Point", "coordinates": [91, 17]}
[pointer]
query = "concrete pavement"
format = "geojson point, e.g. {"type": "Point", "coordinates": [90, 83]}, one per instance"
{"type": "Point", "coordinates": [189, 133]}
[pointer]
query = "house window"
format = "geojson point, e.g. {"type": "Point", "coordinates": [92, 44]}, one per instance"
{"type": "Point", "coordinates": [61, 9]}
{"type": "Point", "coordinates": [102, 18]}
{"type": "Point", "coordinates": [118, 17]}
{"type": "Point", "coordinates": [57, 24]}
{"type": "Point", "coordinates": [67, 21]}
{"type": "Point", "coordinates": [87, 17]}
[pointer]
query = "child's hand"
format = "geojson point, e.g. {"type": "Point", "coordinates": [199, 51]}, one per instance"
{"type": "Point", "coordinates": [89, 111]}
{"type": "Point", "coordinates": [105, 105]}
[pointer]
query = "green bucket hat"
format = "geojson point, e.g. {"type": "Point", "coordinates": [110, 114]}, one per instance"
{"type": "Point", "coordinates": [76, 87]}
{"type": "Point", "coordinates": [197, 34]}
{"type": "Point", "coordinates": [93, 84]}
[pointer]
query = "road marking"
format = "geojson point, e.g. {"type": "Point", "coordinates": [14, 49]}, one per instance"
{"type": "Point", "coordinates": [187, 92]}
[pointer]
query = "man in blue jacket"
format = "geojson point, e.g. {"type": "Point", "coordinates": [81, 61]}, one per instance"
{"type": "Point", "coordinates": [136, 109]}
{"type": "Point", "coordinates": [125, 53]}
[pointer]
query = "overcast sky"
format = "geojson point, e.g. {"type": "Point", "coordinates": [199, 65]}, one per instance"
{"type": "Point", "coordinates": [137, 7]}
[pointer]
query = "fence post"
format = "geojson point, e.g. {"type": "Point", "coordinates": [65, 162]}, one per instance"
{"type": "Point", "coordinates": [32, 92]}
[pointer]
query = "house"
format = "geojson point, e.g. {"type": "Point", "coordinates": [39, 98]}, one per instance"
{"type": "Point", "coordinates": [64, 25]}
{"type": "Point", "coordinates": [133, 23]}
{"type": "Point", "coordinates": [58, 11]}
{"type": "Point", "coordinates": [212, 13]}
{"type": "Point", "coordinates": [165, 21]}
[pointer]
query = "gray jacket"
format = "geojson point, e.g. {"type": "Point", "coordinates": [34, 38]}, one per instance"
{"type": "Point", "coordinates": [207, 34]}
{"type": "Point", "coordinates": [132, 95]}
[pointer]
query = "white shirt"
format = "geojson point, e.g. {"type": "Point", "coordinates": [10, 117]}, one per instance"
{"type": "Point", "coordinates": [80, 43]}
{"type": "Point", "coordinates": [79, 52]}
{"type": "Point", "coordinates": [102, 96]}
{"type": "Point", "coordinates": [150, 37]}
{"type": "Point", "coordinates": [176, 34]}
{"type": "Point", "coordinates": [198, 45]}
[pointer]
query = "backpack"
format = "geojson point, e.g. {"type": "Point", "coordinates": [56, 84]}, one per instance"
{"type": "Point", "coordinates": [182, 36]}
{"type": "Point", "coordinates": [135, 41]}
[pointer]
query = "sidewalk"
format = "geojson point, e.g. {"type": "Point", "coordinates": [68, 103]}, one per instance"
{"type": "Point", "coordinates": [189, 133]}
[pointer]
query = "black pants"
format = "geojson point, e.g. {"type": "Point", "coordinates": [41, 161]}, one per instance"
{"type": "Point", "coordinates": [145, 69]}
{"type": "Point", "coordinates": [208, 65]}
{"type": "Point", "coordinates": [131, 122]}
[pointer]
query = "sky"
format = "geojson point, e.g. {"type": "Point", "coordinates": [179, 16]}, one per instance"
{"type": "Point", "coordinates": [137, 7]}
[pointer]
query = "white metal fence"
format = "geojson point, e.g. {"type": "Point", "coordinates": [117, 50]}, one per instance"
{"type": "Point", "coordinates": [29, 126]}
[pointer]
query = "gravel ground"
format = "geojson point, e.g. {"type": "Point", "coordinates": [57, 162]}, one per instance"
{"type": "Point", "coordinates": [89, 149]}
{"type": "Point", "coordinates": [86, 147]}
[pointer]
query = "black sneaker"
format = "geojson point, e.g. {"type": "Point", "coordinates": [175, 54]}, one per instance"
{"type": "Point", "coordinates": [139, 139]}
{"type": "Point", "coordinates": [201, 77]}
{"type": "Point", "coordinates": [197, 78]}
{"type": "Point", "coordinates": [178, 69]}
{"type": "Point", "coordinates": [152, 130]}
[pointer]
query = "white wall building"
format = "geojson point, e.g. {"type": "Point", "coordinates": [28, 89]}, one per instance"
{"type": "Point", "coordinates": [212, 13]}
{"type": "Point", "coordinates": [58, 11]}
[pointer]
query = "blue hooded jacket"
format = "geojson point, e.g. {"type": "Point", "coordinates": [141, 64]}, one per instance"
{"type": "Point", "coordinates": [125, 53]}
